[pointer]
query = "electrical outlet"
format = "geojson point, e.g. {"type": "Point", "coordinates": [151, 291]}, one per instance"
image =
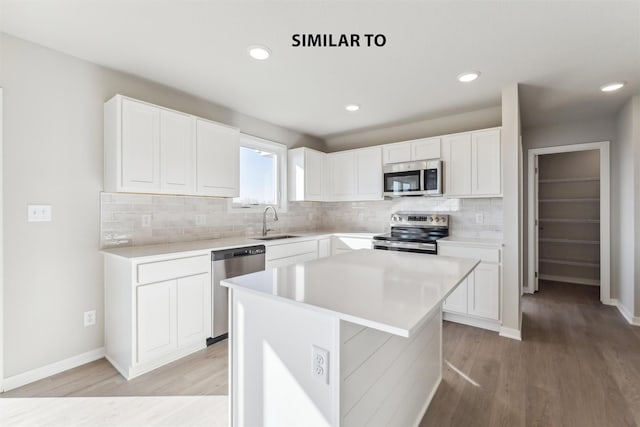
{"type": "Point", "coordinates": [89, 318]}
{"type": "Point", "coordinates": [39, 213]}
{"type": "Point", "coordinates": [146, 220]}
{"type": "Point", "coordinates": [320, 364]}
{"type": "Point", "coordinates": [201, 220]}
{"type": "Point", "coordinates": [479, 218]}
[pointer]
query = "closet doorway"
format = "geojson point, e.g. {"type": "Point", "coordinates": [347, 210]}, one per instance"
{"type": "Point", "coordinates": [568, 216]}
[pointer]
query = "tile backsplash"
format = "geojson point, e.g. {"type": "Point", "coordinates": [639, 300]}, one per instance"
{"type": "Point", "coordinates": [184, 218]}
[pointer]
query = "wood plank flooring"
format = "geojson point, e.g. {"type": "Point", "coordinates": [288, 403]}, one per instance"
{"type": "Point", "coordinates": [579, 365]}
{"type": "Point", "coordinates": [201, 373]}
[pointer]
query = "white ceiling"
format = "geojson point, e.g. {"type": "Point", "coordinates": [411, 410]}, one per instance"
{"type": "Point", "coordinates": [560, 51]}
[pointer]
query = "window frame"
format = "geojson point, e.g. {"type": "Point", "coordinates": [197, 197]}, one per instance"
{"type": "Point", "coordinates": [280, 150]}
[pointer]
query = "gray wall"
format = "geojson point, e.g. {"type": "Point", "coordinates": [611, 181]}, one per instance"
{"type": "Point", "coordinates": [478, 119]}
{"type": "Point", "coordinates": [625, 219]}
{"type": "Point", "coordinates": [592, 130]}
{"type": "Point", "coordinates": [53, 124]}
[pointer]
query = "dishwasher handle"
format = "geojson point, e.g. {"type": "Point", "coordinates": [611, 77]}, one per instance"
{"type": "Point", "coordinates": [237, 252]}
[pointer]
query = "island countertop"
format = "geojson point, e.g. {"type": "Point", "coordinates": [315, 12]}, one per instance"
{"type": "Point", "coordinates": [391, 291]}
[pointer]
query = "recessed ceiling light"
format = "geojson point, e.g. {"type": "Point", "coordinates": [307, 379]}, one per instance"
{"type": "Point", "coordinates": [259, 52]}
{"type": "Point", "coordinates": [611, 87]}
{"type": "Point", "coordinates": [352, 107]}
{"type": "Point", "coordinates": [468, 76]}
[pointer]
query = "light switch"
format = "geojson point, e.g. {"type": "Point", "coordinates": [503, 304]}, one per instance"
{"type": "Point", "coordinates": [39, 213]}
{"type": "Point", "coordinates": [479, 218]}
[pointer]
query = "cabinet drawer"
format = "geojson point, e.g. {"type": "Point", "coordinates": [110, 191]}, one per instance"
{"type": "Point", "coordinates": [344, 244]}
{"type": "Point", "coordinates": [484, 254]}
{"type": "Point", "coordinates": [281, 262]}
{"type": "Point", "coordinates": [291, 249]}
{"type": "Point", "coordinates": [165, 270]}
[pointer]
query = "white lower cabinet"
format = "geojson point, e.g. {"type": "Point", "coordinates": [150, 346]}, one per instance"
{"type": "Point", "coordinates": [341, 244]}
{"type": "Point", "coordinates": [291, 253]}
{"type": "Point", "coordinates": [157, 325]}
{"type": "Point", "coordinates": [156, 311]}
{"type": "Point", "coordinates": [324, 247]}
{"type": "Point", "coordinates": [476, 301]}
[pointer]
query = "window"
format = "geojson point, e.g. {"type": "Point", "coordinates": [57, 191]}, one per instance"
{"type": "Point", "coordinates": [262, 174]}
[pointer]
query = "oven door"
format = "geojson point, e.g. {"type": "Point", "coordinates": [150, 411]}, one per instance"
{"type": "Point", "coordinates": [405, 183]}
{"type": "Point", "coordinates": [424, 248]}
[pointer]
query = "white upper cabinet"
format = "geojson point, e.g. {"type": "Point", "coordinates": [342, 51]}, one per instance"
{"type": "Point", "coordinates": [355, 174]}
{"type": "Point", "coordinates": [396, 153]}
{"type": "Point", "coordinates": [151, 149]}
{"type": "Point", "coordinates": [473, 164]}
{"type": "Point", "coordinates": [457, 164]}
{"type": "Point", "coordinates": [218, 152]}
{"type": "Point", "coordinates": [368, 173]}
{"type": "Point", "coordinates": [486, 162]}
{"type": "Point", "coordinates": [408, 151]}
{"type": "Point", "coordinates": [306, 174]}
{"type": "Point", "coordinates": [342, 175]}
{"type": "Point", "coordinates": [140, 145]}
{"type": "Point", "coordinates": [177, 153]}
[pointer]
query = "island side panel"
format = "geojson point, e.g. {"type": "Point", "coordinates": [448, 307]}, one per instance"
{"type": "Point", "coordinates": [272, 381]}
{"type": "Point", "coordinates": [387, 379]}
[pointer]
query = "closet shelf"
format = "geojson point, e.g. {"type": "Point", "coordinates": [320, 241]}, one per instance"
{"type": "Point", "coordinates": [576, 200]}
{"type": "Point", "coordinates": [570, 262]}
{"type": "Point", "coordinates": [560, 180]}
{"type": "Point", "coordinates": [571, 220]}
{"type": "Point", "coordinates": [569, 241]}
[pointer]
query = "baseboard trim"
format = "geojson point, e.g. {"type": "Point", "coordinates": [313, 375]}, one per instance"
{"type": "Point", "coordinates": [34, 375]}
{"type": "Point", "coordinates": [514, 334]}
{"type": "Point", "coordinates": [491, 325]}
{"type": "Point", "coordinates": [626, 313]}
{"type": "Point", "coordinates": [568, 279]}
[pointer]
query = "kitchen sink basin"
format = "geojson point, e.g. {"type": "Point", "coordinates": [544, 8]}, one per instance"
{"type": "Point", "coordinates": [282, 236]}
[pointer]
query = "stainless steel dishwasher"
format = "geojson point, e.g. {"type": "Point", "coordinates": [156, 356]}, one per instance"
{"type": "Point", "coordinates": [226, 264]}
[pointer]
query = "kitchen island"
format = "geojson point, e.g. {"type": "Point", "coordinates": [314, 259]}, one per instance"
{"type": "Point", "coordinates": [349, 340]}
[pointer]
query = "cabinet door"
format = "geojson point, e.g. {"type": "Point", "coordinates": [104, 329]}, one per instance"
{"type": "Point", "coordinates": [324, 247]}
{"type": "Point", "coordinates": [313, 175]}
{"type": "Point", "coordinates": [456, 302]}
{"type": "Point", "coordinates": [457, 164]}
{"type": "Point", "coordinates": [194, 307]}
{"type": "Point", "coordinates": [140, 146]}
{"type": "Point", "coordinates": [369, 174]}
{"type": "Point", "coordinates": [396, 153]}
{"type": "Point", "coordinates": [156, 318]}
{"type": "Point", "coordinates": [217, 153]}
{"type": "Point", "coordinates": [177, 153]}
{"type": "Point", "coordinates": [486, 165]}
{"type": "Point", "coordinates": [484, 291]}
{"type": "Point", "coordinates": [343, 175]}
{"type": "Point", "coordinates": [425, 149]}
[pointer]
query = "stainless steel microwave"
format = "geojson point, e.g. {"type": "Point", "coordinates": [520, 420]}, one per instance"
{"type": "Point", "coordinates": [422, 178]}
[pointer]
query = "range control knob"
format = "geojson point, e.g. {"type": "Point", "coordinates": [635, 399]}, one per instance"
{"type": "Point", "coordinates": [430, 219]}
{"type": "Point", "coordinates": [437, 219]}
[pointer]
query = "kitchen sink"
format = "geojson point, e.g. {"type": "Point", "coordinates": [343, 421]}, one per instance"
{"type": "Point", "coordinates": [282, 236]}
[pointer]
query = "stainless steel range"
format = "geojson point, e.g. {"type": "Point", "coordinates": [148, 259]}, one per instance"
{"type": "Point", "coordinates": [413, 232]}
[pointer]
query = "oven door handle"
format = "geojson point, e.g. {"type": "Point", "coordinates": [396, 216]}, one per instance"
{"type": "Point", "coordinates": [406, 245]}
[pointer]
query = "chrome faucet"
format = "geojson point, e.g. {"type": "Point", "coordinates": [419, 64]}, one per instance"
{"type": "Point", "coordinates": [265, 230]}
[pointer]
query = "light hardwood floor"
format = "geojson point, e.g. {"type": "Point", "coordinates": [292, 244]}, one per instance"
{"type": "Point", "coordinates": [579, 365]}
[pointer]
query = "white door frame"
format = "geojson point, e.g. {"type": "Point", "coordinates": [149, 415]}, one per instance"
{"type": "Point", "coordinates": [1, 250]}
{"type": "Point", "coordinates": [605, 213]}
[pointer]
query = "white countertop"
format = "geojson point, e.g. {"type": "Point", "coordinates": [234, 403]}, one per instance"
{"type": "Point", "coordinates": [387, 290]}
{"type": "Point", "coordinates": [471, 241]}
{"type": "Point", "coordinates": [198, 246]}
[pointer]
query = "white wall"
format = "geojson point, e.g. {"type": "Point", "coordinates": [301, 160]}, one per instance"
{"type": "Point", "coordinates": [472, 120]}
{"type": "Point", "coordinates": [583, 131]}
{"type": "Point", "coordinates": [626, 198]}
{"type": "Point", "coordinates": [53, 124]}
{"type": "Point", "coordinates": [511, 188]}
